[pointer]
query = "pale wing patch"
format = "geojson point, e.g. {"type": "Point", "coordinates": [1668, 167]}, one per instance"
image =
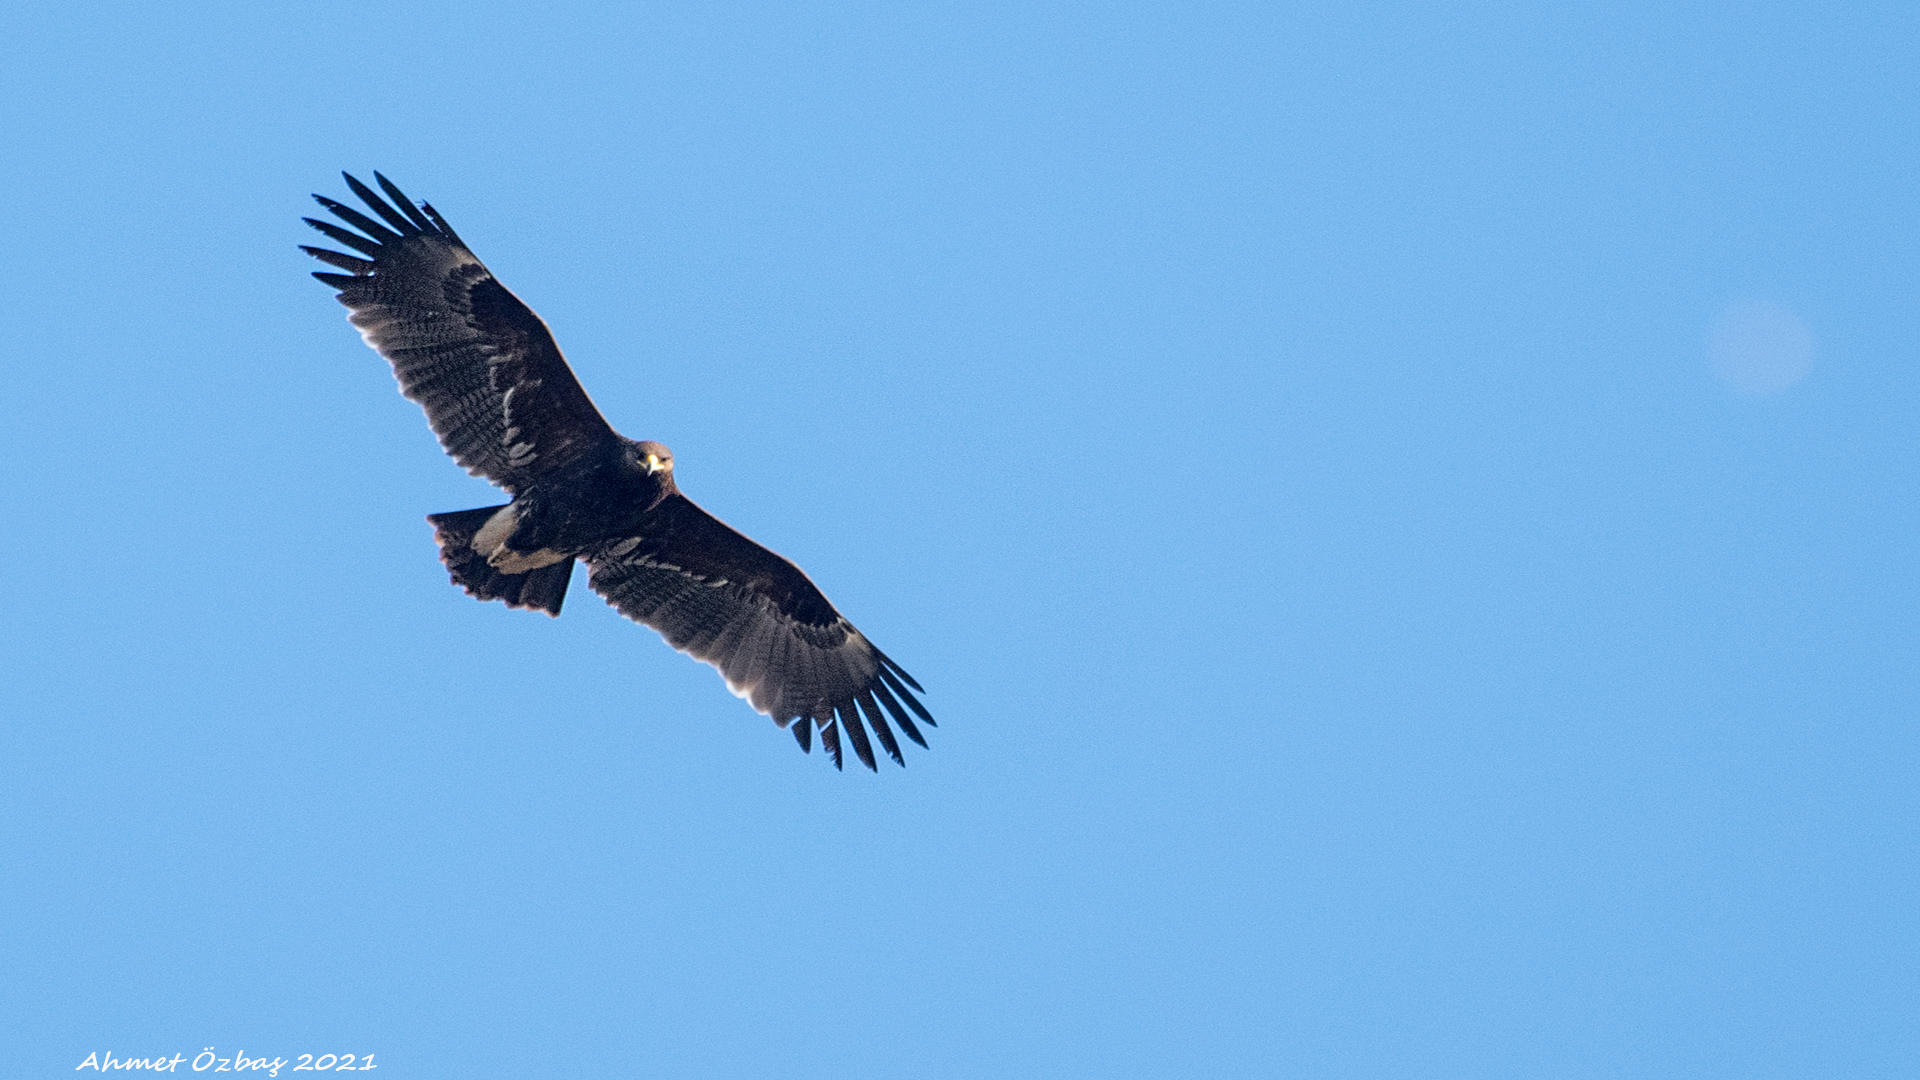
{"type": "Point", "coordinates": [520, 452]}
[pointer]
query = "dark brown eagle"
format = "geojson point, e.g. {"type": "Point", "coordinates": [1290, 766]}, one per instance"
{"type": "Point", "coordinates": [507, 407]}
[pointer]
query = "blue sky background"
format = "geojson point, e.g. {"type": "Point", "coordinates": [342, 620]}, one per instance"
{"type": "Point", "coordinates": [1405, 514]}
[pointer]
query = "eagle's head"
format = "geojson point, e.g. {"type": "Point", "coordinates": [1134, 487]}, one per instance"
{"type": "Point", "coordinates": [652, 465]}
{"type": "Point", "coordinates": [652, 458]}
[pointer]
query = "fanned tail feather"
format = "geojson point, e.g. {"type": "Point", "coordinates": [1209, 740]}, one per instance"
{"type": "Point", "coordinates": [536, 590]}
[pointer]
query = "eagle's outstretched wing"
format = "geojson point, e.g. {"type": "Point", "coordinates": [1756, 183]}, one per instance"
{"type": "Point", "coordinates": [719, 597]}
{"type": "Point", "coordinates": [481, 363]}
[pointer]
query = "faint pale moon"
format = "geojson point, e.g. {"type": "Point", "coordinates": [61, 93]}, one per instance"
{"type": "Point", "coordinates": [1759, 348]}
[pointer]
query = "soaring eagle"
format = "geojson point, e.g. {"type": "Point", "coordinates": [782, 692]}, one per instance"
{"type": "Point", "coordinates": [507, 407]}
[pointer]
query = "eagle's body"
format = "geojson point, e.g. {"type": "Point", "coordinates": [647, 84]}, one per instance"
{"type": "Point", "coordinates": [506, 406]}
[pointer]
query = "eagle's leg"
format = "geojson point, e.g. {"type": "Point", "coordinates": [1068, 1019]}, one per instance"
{"type": "Point", "coordinates": [465, 544]}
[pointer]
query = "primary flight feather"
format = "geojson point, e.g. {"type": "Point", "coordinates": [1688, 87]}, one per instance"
{"type": "Point", "coordinates": [507, 407]}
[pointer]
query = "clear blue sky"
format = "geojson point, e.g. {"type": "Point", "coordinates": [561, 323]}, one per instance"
{"type": "Point", "coordinates": [1405, 514]}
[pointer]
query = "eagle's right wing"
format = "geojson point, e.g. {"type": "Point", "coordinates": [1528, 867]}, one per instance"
{"type": "Point", "coordinates": [719, 597]}
{"type": "Point", "coordinates": [484, 367]}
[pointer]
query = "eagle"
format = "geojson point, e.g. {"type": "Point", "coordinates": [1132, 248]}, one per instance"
{"type": "Point", "coordinates": [506, 406]}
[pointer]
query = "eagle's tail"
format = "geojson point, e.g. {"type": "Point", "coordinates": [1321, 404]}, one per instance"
{"type": "Point", "coordinates": [538, 590]}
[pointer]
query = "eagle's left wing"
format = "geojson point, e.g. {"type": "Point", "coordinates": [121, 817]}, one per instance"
{"type": "Point", "coordinates": [721, 598]}
{"type": "Point", "coordinates": [484, 367]}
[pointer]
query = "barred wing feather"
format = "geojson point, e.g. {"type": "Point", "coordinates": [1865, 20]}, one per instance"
{"type": "Point", "coordinates": [725, 600]}
{"type": "Point", "coordinates": [495, 387]}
